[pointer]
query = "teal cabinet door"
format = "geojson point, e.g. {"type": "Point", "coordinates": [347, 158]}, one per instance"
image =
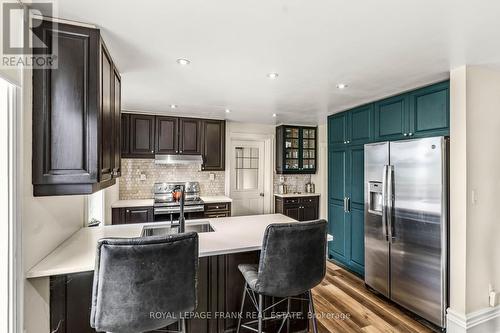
{"type": "Point", "coordinates": [361, 124]}
{"type": "Point", "coordinates": [356, 171]}
{"type": "Point", "coordinates": [357, 240]}
{"type": "Point", "coordinates": [429, 113]}
{"type": "Point", "coordinates": [337, 129]}
{"type": "Point", "coordinates": [391, 118]}
{"type": "Point", "coordinates": [337, 175]}
{"type": "Point", "coordinates": [338, 227]}
{"type": "Point", "coordinates": [337, 222]}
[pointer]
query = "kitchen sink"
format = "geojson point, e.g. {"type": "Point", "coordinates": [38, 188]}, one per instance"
{"type": "Point", "coordinates": [174, 229]}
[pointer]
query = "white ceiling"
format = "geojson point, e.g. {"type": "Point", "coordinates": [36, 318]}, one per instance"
{"type": "Point", "coordinates": [377, 47]}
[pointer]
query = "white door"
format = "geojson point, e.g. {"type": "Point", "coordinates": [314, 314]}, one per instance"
{"type": "Point", "coordinates": [247, 177]}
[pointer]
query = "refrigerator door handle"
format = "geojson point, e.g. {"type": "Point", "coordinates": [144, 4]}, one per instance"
{"type": "Point", "coordinates": [390, 201]}
{"type": "Point", "coordinates": [384, 203]}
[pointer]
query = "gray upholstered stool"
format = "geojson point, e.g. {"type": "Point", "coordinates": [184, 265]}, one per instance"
{"type": "Point", "coordinates": [143, 284]}
{"type": "Point", "coordinates": [292, 262]}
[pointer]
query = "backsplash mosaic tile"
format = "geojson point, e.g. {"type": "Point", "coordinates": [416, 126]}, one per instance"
{"type": "Point", "coordinates": [132, 187]}
{"type": "Point", "coordinates": [295, 183]}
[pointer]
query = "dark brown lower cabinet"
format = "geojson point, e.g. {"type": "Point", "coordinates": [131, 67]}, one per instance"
{"type": "Point", "coordinates": [220, 289]}
{"type": "Point", "coordinates": [216, 210]}
{"type": "Point", "coordinates": [128, 215]}
{"type": "Point", "coordinates": [298, 208]}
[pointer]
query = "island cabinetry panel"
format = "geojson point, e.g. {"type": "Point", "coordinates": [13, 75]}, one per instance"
{"type": "Point", "coordinates": [298, 208]}
{"type": "Point", "coordinates": [75, 138]}
{"type": "Point", "coordinates": [220, 289]}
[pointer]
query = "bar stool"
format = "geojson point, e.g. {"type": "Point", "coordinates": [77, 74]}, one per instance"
{"type": "Point", "coordinates": [292, 262]}
{"type": "Point", "coordinates": [144, 284]}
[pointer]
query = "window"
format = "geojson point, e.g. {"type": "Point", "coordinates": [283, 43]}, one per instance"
{"type": "Point", "coordinates": [247, 168]}
{"type": "Point", "coordinates": [7, 208]}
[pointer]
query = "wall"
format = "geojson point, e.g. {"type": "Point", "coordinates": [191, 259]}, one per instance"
{"type": "Point", "coordinates": [475, 181]}
{"type": "Point", "coordinates": [46, 222]}
{"type": "Point", "coordinates": [132, 187]}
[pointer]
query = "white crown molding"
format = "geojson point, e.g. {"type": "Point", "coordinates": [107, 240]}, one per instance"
{"type": "Point", "coordinates": [484, 320]}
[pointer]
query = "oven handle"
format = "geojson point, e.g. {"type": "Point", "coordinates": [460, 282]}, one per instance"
{"type": "Point", "coordinates": [173, 210]}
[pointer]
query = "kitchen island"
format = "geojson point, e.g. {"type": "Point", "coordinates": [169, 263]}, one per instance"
{"type": "Point", "coordinates": [234, 240]}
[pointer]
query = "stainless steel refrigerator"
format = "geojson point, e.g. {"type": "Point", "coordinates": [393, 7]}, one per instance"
{"type": "Point", "coordinates": [406, 224]}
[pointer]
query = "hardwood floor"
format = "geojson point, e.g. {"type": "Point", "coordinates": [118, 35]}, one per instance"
{"type": "Point", "coordinates": [343, 304]}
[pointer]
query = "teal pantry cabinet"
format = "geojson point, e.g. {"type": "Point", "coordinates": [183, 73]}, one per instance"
{"type": "Point", "coordinates": [420, 113]}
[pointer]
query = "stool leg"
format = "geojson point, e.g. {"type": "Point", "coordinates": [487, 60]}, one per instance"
{"type": "Point", "coordinates": [260, 314]}
{"type": "Point", "coordinates": [312, 312]}
{"type": "Point", "coordinates": [288, 307]}
{"type": "Point", "coordinates": [242, 307]}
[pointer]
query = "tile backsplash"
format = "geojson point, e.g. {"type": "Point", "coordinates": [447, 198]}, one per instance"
{"type": "Point", "coordinates": [132, 187]}
{"type": "Point", "coordinates": [296, 183]}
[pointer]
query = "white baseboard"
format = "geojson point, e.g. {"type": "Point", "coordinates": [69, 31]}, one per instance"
{"type": "Point", "coordinates": [481, 321]}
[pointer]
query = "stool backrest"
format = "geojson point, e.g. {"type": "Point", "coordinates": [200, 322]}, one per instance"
{"type": "Point", "coordinates": [293, 258]}
{"type": "Point", "coordinates": [142, 284]}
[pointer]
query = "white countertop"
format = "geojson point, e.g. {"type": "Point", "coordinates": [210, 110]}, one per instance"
{"type": "Point", "coordinates": [133, 203]}
{"type": "Point", "coordinates": [216, 199]}
{"type": "Point", "coordinates": [296, 195]}
{"type": "Point", "coordinates": [231, 235]}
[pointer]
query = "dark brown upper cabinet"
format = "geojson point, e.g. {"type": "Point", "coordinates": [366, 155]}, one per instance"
{"type": "Point", "coordinates": [74, 114]}
{"type": "Point", "coordinates": [117, 96]}
{"type": "Point", "coordinates": [189, 136]}
{"type": "Point", "coordinates": [174, 135]}
{"type": "Point", "coordinates": [214, 145]}
{"type": "Point", "coordinates": [167, 135]}
{"type": "Point", "coordinates": [142, 136]}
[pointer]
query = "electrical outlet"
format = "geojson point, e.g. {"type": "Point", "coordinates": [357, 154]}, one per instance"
{"type": "Point", "coordinates": [143, 176]}
{"type": "Point", "coordinates": [493, 298]}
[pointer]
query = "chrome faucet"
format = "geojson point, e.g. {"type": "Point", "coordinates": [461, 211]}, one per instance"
{"type": "Point", "coordinates": [182, 220]}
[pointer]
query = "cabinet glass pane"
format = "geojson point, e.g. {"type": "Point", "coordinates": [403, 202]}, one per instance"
{"type": "Point", "coordinates": [292, 143]}
{"type": "Point", "coordinates": [308, 164]}
{"type": "Point", "coordinates": [292, 133]}
{"type": "Point", "coordinates": [291, 164]}
{"type": "Point", "coordinates": [308, 143]}
{"type": "Point", "coordinates": [292, 153]}
{"type": "Point", "coordinates": [309, 133]}
{"type": "Point", "coordinates": [309, 153]}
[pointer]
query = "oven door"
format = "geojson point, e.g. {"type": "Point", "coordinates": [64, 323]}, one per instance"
{"type": "Point", "coordinates": [172, 213]}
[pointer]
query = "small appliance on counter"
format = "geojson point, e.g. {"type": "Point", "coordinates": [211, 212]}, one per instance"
{"type": "Point", "coordinates": [310, 188]}
{"type": "Point", "coordinates": [282, 187]}
{"type": "Point", "coordinates": [166, 203]}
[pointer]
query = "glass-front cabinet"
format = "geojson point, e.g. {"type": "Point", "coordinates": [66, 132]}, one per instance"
{"type": "Point", "coordinates": [296, 148]}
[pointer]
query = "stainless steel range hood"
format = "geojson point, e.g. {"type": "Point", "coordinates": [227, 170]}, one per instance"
{"type": "Point", "coordinates": [178, 159]}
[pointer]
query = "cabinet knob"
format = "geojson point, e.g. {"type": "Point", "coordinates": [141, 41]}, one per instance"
{"type": "Point", "coordinates": [128, 211]}
{"type": "Point", "coordinates": [181, 151]}
{"type": "Point", "coordinates": [345, 142]}
{"type": "Point", "coordinates": [348, 141]}
{"type": "Point", "coordinates": [410, 134]}
{"type": "Point", "coordinates": [152, 151]}
{"type": "Point", "coordinates": [405, 134]}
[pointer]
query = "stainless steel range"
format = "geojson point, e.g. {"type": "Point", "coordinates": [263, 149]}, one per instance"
{"type": "Point", "coordinates": [166, 207]}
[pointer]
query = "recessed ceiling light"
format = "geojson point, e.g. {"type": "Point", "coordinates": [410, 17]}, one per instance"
{"type": "Point", "coordinates": [274, 115]}
{"type": "Point", "coordinates": [173, 106]}
{"type": "Point", "coordinates": [273, 76]}
{"type": "Point", "coordinates": [341, 86]}
{"type": "Point", "coordinates": [183, 61]}
{"type": "Point", "coordinates": [228, 111]}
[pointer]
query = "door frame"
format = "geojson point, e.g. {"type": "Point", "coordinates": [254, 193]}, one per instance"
{"type": "Point", "coordinates": [268, 140]}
